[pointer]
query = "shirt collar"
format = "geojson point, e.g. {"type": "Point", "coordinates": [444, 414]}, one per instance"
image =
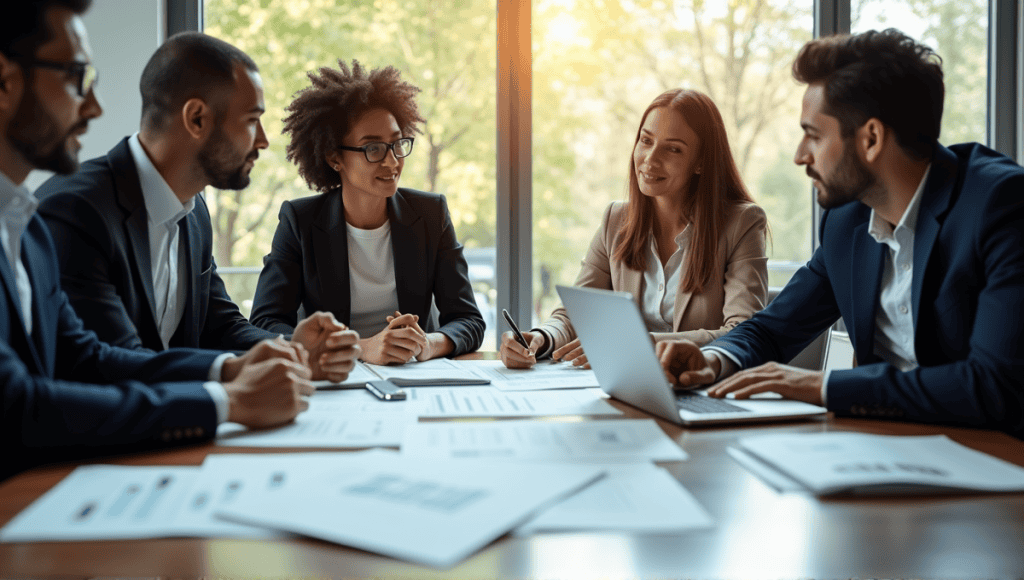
{"type": "Point", "coordinates": [16, 203]}
{"type": "Point", "coordinates": [880, 230]}
{"type": "Point", "coordinates": [162, 206]}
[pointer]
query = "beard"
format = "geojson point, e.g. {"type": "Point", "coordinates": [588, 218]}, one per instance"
{"type": "Point", "coordinates": [35, 135]}
{"type": "Point", "coordinates": [850, 181]}
{"type": "Point", "coordinates": [221, 164]}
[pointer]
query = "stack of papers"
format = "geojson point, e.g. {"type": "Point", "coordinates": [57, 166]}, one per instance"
{"type": "Point", "coordinates": [831, 463]}
{"type": "Point", "coordinates": [445, 372]}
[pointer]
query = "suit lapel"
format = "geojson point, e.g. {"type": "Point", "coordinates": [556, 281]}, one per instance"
{"type": "Point", "coordinates": [188, 229]}
{"type": "Point", "coordinates": [7, 275]}
{"type": "Point", "coordinates": [866, 263]}
{"type": "Point", "coordinates": [407, 232]}
{"type": "Point", "coordinates": [128, 189]}
{"type": "Point", "coordinates": [934, 202]}
{"type": "Point", "coordinates": [330, 252]}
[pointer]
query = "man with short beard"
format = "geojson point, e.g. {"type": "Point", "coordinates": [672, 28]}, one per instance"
{"type": "Point", "coordinates": [134, 235]}
{"type": "Point", "coordinates": [921, 254]}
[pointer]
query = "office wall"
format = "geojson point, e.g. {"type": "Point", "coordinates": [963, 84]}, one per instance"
{"type": "Point", "coordinates": [123, 35]}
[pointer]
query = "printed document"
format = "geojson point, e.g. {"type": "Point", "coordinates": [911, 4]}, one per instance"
{"type": "Point", "coordinates": [828, 463]}
{"type": "Point", "coordinates": [638, 497]}
{"type": "Point", "coordinates": [438, 402]}
{"type": "Point", "coordinates": [577, 441]}
{"type": "Point", "coordinates": [439, 371]}
{"type": "Point", "coordinates": [543, 376]}
{"type": "Point", "coordinates": [422, 510]}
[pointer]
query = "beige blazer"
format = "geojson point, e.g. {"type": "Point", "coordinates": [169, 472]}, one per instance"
{"type": "Point", "coordinates": [729, 299]}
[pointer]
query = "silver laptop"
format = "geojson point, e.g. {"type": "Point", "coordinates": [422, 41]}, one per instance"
{"type": "Point", "coordinates": [618, 346]}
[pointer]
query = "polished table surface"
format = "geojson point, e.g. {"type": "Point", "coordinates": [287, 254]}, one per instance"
{"type": "Point", "coordinates": [758, 532]}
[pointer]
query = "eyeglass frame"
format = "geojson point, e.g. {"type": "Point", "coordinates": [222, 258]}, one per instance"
{"type": "Point", "coordinates": [363, 149]}
{"type": "Point", "coordinates": [78, 68]}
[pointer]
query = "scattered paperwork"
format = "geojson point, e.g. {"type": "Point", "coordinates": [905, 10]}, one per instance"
{"type": "Point", "coordinates": [444, 402]}
{"type": "Point", "coordinates": [543, 376]}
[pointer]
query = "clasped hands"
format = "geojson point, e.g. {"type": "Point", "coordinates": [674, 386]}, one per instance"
{"type": "Point", "coordinates": [686, 366]}
{"type": "Point", "coordinates": [268, 385]}
{"type": "Point", "coordinates": [402, 340]}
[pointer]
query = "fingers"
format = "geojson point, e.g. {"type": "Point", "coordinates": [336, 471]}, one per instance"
{"type": "Point", "coordinates": [514, 355]}
{"type": "Point", "coordinates": [399, 320]}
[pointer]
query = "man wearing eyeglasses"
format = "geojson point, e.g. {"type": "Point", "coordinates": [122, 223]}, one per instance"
{"type": "Point", "coordinates": [66, 395]}
{"type": "Point", "coordinates": [134, 235]}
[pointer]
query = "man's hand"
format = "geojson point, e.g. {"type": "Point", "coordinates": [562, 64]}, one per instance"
{"type": "Point", "coordinates": [269, 393]}
{"type": "Point", "coordinates": [396, 344]}
{"type": "Point", "coordinates": [515, 355]}
{"type": "Point", "coordinates": [264, 350]}
{"type": "Point", "coordinates": [790, 382]}
{"type": "Point", "coordinates": [572, 352]}
{"type": "Point", "coordinates": [685, 365]}
{"type": "Point", "coordinates": [333, 348]}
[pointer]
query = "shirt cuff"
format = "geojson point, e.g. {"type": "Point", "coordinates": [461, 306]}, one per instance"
{"type": "Point", "coordinates": [217, 367]}
{"type": "Point", "coordinates": [729, 364]}
{"type": "Point", "coordinates": [549, 340]}
{"type": "Point", "coordinates": [220, 400]}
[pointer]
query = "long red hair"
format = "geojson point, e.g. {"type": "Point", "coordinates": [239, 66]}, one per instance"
{"type": "Point", "coordinates": [711, 192]}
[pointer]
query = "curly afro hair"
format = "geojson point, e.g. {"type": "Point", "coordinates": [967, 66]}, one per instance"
{"type": "Point", "coordinates": [322, 115]}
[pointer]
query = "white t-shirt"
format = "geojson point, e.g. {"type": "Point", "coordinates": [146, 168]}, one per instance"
{"type": "Point", "coordinates": [371, 274]}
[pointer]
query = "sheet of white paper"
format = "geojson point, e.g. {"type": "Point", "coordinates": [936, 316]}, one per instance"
{"type": "Point", "coordinates": [606, 440]}
{"type": "Point", "coordinates": [323, 430]}
{"type": "Point", "coordinates": [543, 376]}
{"type": "Point", "coordinates": [438, 371]}
{"type": "Point", "coordinates": [356, 379]}
{"type": "Point", "coordinates": [425, 511]}
{"type": "Point", "coordinates": [773, 478]}
{"type": "Point", "coordinates": [634, 498]}
{"type": "Point", "coordinates": [491, 402]}
{"type": "Point", "coordinates": [106, 502]}
{"type": "Point", "coordinates": [834, 462]}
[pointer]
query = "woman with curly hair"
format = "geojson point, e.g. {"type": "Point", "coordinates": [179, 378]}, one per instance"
{"type": "Point", "coordinates": [375, 254]}
{"type": "Point", "coordinates": [688, 244]}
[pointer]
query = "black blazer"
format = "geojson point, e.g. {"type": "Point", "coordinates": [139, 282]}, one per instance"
{"type": "Point", "coordinates": [308, 266]}
{"type": "Point", "coordinates": [99, 223]}
{"type": "Point", "coordinates": [49, 413]}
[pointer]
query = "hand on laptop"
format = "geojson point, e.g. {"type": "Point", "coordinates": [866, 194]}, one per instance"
{"type": "Point", "coordinates": [333, 348]}
{"type": "Point", "coordinates": [790, 382]}
{"type": "Point", "coordinates": [573, 353]}
{"type": "Point", "coordinates": [515, 355]}
{"type": "Point", "coordinates": [684, 363]}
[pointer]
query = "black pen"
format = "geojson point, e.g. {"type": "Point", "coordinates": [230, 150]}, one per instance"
{"type": "Point", "coordinates": [515, 329]}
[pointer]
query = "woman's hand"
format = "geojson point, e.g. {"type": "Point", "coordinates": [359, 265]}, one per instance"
{"type": "Point", "coordinates": [398, 343]}
{"type": "Point", "coordinates": [573, 353]}
{"type": "Point", "coordinates": [515, 355]}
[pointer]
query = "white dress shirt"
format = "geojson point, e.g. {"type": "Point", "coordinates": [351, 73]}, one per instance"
{"type": "Point", "coordinates": [661, 284]}
{"type": "Point", "coordinates": [894, 324]}
{"type": "Point", "coordinates": [167, 258]}
{"type": "Point", "coordinates": [371, 274]}
{"type": "Point", "coordinates": [166, 255]}
{"type": "Point", "coordinates": [17, 206]}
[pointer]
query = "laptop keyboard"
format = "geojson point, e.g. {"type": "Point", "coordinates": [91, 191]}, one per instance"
{"type": "Point", "coordinates": [701, 404]}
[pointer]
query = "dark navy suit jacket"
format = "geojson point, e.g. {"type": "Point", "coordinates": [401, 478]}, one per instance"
{"type": "Point", "coordinates": [967, 297]}
{"type": "Point", "coordinates": [99, 222]}
{"type": "Point", "coordinates": [66, 395]}
{"type": "Point", "coordinates": [308, 266]}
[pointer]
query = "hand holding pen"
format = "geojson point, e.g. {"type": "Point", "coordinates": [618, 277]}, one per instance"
{"type": "Point", "coordinates": [519, 349]}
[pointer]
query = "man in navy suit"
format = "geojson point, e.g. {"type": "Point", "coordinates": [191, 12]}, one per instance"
{"type": "Point", "coordinates": [132, 232]}
{"type": "Point", "coordinates": [65, 394]}
{"type": "Point", "coordinates": [922, 254]}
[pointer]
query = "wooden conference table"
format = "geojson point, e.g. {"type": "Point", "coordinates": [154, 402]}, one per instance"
{"type": "Point", "coordinates": [758, 532]}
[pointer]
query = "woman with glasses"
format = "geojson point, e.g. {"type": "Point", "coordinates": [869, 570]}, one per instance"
{"type": "Point", "coordinates": [375, 254]}
{"type": "Point", "coordinates": [688, 244]}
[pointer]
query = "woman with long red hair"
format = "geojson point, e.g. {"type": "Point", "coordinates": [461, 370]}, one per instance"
{"type": "Point", "coordinates": [689, 243]}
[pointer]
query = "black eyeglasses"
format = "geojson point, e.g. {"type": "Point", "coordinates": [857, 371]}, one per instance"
{"type": "Point", "coordinates": [84, 73]}
{"type": "Point", "coordinates": [376, 152]}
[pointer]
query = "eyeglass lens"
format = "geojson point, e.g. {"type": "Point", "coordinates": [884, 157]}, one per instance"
{"type": "Point", "coordinates": [377, 151]}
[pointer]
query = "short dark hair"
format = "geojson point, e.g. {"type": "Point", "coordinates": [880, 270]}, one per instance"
{"type": "Point", "coordinates": [189, 65]}
{"type": "Point", "coordinates": [323, 114]}
{"type": "Point", "coordinates": [884, 75]}
{"type": "Point", "coordinates": [23, 27]}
